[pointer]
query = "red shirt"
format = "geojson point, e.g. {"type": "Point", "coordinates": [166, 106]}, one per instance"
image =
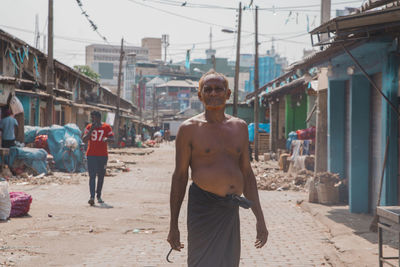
{"type": "Point", "coordinates": [96, 144]}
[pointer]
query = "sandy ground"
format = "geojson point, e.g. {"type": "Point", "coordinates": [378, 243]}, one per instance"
{"type": "Point", "coordinates": [62, 229]}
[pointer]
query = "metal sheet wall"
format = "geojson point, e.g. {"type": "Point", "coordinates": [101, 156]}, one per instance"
{"type": "Point", "coordinates": [375, 161]}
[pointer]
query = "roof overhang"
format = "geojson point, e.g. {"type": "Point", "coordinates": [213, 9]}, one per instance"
{"type": "Point", "coordinates": [355, 26]}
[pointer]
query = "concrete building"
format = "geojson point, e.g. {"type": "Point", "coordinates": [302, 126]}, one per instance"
{"type": "Point", "coordinates": [153, 45]}
{"type": "Point", "coordinates": [104, 59]}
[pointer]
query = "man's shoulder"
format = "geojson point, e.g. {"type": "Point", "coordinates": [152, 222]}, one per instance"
{"type": "Point", "coordinates": [193, 121]}
{"type": "Point", "coordinates": [236, 121]}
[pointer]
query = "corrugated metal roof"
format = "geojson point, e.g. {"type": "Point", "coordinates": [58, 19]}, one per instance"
{"type": "Point", "coordinates": [354, 21]}
{"type": "Point", "coordinates": [180, 83]}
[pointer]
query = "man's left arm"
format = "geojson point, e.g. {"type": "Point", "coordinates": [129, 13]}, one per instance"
{"type": "Point", "coordinates": [110, 135]}
{"type": "Point", "coordinates": [250, 190]}
{"type": "Point", "coordinates": [16, 129]}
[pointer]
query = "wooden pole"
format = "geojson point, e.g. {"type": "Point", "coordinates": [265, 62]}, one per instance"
{"type": "Point", "coordinates": [237, 65]}
{"type": "Point", "coordinates": [256, 85]}
{"type": "Point", "coordinates": [50, 68]}
{"type": "Point", "coordinates": [116, 121]}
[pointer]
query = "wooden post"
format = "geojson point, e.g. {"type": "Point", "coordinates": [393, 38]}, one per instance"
{"type": "Point", "coordinates": [50, 69]}
{"type": "Point", "coordinates": [237, 64]}
{"type": "Point", "coordinates": [255, 89]}
{"type": "Point", "coordinates": [116, 121]}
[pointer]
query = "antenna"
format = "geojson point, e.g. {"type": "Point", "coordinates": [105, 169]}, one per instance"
{"type": "Point", "coordinates": [165, 42]}
{"type": "Point", "coordinates": [210, 38]}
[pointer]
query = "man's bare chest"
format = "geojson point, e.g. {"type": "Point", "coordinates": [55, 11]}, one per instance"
{"type": "Point", "coordinates": [217, 142]}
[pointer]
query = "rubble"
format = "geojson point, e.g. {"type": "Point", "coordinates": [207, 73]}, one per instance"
{"type": "Point", "coordinates": [270, 177]}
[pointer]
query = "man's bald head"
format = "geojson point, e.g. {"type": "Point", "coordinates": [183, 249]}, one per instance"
{"type": "Point", "coordinates": [213, 74]}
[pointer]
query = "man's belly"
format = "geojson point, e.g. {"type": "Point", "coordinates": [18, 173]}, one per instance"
{"type": "Point", "coordinates": [219, 178]}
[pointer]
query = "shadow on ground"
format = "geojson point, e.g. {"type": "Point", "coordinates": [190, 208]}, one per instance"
{"type": "Point", "coordinates": [359, 223]}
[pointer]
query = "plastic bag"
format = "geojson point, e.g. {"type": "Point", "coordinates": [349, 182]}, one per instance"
{"type": "Point", "coordinates": [16, 105]}
{"type": "Point", "coordinates": [5, 203]}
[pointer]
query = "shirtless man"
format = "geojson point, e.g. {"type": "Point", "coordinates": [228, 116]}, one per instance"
{"type": "Point", "coordinates": [215, 146]}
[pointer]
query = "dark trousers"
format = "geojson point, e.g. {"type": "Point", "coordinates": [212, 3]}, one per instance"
{"type": "Point", "coordinates": [96, 166]}
{"type": "Point", "coordinates": [7, 143]}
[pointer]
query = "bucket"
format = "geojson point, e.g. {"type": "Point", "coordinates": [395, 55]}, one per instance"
{"type": "Point", "coordinates": [327, 194]}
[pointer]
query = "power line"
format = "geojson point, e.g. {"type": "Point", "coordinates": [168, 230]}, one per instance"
{"type": "Point", "coordinates": [284, 8]}
{"type": "Point", "coordinates": [178, 15]}
{"type": "Point", "coordinates": [94, 26]}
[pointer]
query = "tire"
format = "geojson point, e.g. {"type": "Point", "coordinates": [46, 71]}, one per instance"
{"type": "Point", "coordinates": [69, 161]}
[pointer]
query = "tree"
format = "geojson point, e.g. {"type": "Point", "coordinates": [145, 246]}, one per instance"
{"type": "Point", "coordinates": [88, 71]}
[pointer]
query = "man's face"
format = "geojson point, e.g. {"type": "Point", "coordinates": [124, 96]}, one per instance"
{"type": "Point", "coordinates": [95, 119]}
{"type": "Point", "coordinates": [214, 93]}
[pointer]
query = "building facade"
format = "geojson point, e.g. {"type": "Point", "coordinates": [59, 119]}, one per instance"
{"type": "Point", "coordinates": [104, 59]}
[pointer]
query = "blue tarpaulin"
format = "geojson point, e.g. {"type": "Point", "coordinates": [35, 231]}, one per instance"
{"type": "Point", "coordinates": [34, 158]}
{"type": "Point", "coordinates": [262, 128]}
{"type": "Point", "coordinates": [57, 136]}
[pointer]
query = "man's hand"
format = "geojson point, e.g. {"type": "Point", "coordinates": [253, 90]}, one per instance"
{"type": "Point", "coordinates": [262, 235]}
{"type": "Point", "coordinates": [174, 239]}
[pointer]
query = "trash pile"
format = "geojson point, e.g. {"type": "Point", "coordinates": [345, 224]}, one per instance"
{"type": "Point", "coordinates": [275, 179]}
{"type": "Point", "coordinates": [116, 165]}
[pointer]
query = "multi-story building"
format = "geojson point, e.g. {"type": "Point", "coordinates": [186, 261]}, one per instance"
{"type": "Point", "coordinates": [153, 45]}
{"type": "Point", "coordinates": [270, 66]}
{"type": "Point", "coordinates": [104, 59]}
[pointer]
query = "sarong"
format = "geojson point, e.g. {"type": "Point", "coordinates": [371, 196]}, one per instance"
{"type": "Point", "coordinates": [213, 228]}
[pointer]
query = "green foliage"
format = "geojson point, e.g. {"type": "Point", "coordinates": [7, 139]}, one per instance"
{"type": "Point", "coordinates": [88, 71]}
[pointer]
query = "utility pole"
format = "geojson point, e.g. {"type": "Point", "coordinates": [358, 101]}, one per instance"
{"type": "Point", "coordinates": [154, 105]}
{"type": "Point", "coordinates": [237, 65]}
{"type": "Point", "coordinates": [255, 89]}
{"type": "Point", "coordinates": [116, 121]}
{"type": "Point", "coordinates": [321, 152]}
{"type": "Point", "coordinates": [50, 69]}
{"type": "Point", "coordinates": [325, 10]}
{"type": "Point", "coordinates": [140, 95]}
{"type": "Point", "coordinates": [325, 15]}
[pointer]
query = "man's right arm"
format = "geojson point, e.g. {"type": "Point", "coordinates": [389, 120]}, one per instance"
{"type": "Point", "coordinates": [86, 134]}
{"type": "Point", "coordinates": [179, 182]}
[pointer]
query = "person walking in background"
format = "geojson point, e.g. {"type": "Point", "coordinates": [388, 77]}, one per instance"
{"type": "Point", "coordinates": [9, 129]}
{"type": "Point", "coordinates": [97, 135]}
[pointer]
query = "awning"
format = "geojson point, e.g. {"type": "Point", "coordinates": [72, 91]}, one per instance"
{"type": "Point", "coordinates": [63, 91]}
{"type": "Point", "coordinates": [63, 100]}
{"type": "Point", "coordinates": [361, 20]}
{"type": "Point", "coordinates": [85, 106]}
{"type": "Point", "coordinates": [301, 82]}
{"type": "Point", "coordinates": [277, 80]}
{"type": "Point", "coordinates": [32, 93]}
{"type": "Point", "coordinates": [357, 26]}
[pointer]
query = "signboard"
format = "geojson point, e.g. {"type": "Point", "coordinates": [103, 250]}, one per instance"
{"type": "Point", "coordinates": [110, 118]}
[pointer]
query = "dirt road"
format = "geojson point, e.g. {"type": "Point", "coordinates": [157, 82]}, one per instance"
{"type": "Point", "coordinates": [131, 228]}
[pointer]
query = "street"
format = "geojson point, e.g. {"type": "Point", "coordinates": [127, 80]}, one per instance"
{"type": "Point", "coordinates": [131, 228]}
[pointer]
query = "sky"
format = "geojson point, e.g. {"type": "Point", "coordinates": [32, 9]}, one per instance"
{"type": "Point", "coordinates": [188, 24]}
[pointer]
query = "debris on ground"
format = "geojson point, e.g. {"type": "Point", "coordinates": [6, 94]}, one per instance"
{"type": "Point", "coordinates": [270, 177]}
{"type": "Point", "coordinates": [24, 175]}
